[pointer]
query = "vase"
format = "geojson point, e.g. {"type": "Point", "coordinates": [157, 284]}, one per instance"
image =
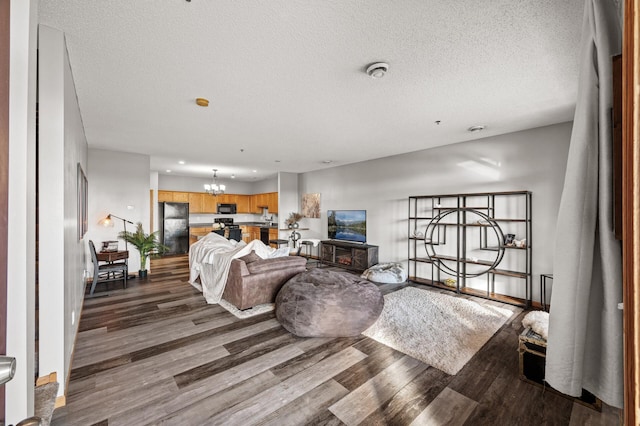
{"type": "Point", "coordinates": [142, 274]}
{"type": "Point", "coordinates": [295, 225]}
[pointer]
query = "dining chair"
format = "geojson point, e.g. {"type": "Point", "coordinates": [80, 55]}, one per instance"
{"type": "Point", "coordinates": [105, 272]}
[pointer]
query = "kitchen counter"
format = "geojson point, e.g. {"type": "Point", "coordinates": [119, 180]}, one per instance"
{"type": "Point", "coordinates": [258, 224]}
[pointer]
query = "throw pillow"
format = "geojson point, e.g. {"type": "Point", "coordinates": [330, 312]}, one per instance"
{"type": "Point", "coordinates": [251, 257]}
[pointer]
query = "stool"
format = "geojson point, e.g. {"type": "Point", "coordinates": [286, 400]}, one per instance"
{"type": "Point", "coordinates": [279, 242]}
{"type": "Point", "coordinates": [308, 246]}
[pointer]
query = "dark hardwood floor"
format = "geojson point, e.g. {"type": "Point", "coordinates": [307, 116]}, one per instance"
{"type": "Point", "coordinates": [156, 353]}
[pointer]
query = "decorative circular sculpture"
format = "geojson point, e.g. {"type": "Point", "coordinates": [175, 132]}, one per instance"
{"type": "Point", "coordinates": [321, 303]}
{"type": "Point", "coordinates": [432, 239]}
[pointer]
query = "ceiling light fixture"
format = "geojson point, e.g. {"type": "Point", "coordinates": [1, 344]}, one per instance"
{"type": "Point", "coordinates": [474, 129]}
{"type": "Point", "coordinates": [377, 70]}
{"type": "Point", "coordinates": [214, 189]}
{"type": "Point", "coordinates": [180, 162]}
{"type": "Point", "coordinates": [202, 102]}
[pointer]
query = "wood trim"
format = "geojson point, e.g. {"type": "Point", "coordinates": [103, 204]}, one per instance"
{"type": "Point", "coordinates": [61, 401]}
{"type": "Point", "coordinates": [51, 378]}
{"type": "Point", "coordinates": [631, 211]}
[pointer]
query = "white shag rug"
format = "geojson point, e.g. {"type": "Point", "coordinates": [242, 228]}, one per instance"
{"type": "Point", "coordinates": [256, 310]}
{"type": "Point", "coordinates": [440, 330]}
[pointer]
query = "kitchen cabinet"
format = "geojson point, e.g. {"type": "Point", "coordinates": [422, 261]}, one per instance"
{"type": "Point", "coordinates": [272, 202]}
{"type": "Point", "coordinates": [199, 231]}
{"type": "Point", "coordinates": [165, 196]}
{"type": "Point", "coordinates": [173, 197]}
{"type": "Point", "coordinates": [196, 202]}
{"type": "Point", "coordinates": [180, 197]}
{"type": "Point", "coordinates": [242, 203]}
{"type": "Point", "coordinates": [267, 199]}
{"type": "Point", "coordinates": [209, 203]}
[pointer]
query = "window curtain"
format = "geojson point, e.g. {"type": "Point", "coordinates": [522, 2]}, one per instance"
{"type": "Point", "coordinates": [584, 348]}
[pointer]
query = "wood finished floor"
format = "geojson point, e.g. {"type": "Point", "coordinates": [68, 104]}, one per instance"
{"type": "Point", "coordinates": [156, 353]}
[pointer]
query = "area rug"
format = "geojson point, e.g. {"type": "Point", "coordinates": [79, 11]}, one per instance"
{"type": "Point", "coordinates": [440, 330]}
{"type": "Point", "coordinates": [256, 310]}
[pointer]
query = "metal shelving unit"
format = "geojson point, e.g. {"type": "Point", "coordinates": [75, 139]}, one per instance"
{"type": "Point", "coordinates": [462, 243]}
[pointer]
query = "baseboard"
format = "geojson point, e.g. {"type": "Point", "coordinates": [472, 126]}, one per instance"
{"type": "Point", "coordinates": [41, 381]}
{"type": "Point", "coordinates": [61, 401]}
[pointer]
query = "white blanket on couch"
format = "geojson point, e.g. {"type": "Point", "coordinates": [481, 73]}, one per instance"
{"type": "Point", "coordinates": [210, 259]}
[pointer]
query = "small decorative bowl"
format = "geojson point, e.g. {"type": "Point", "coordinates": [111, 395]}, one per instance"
{"type": "Point", "coordinates": [449, 282]}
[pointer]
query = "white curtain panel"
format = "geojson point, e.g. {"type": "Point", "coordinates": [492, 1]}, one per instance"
{"type": "Point", "coordinates": [585, 326]}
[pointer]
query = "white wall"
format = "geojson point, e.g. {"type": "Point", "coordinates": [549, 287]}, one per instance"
{"type": "Point", "coordinates": [195, 184]}
{"type": "Point", "coordinates": [21, 198]}
{"type": "Point", "coordinates": [118, 184]}
{"type": "Point", "coordinates": [62, 146]}
{"type": "Point", "coordinates": [533, 160]}
{"type": "Point", "coordinates": [288, 199]}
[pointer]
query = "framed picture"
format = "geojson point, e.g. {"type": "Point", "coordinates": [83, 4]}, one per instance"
{"type": "Point", "coordinates": [509, 239]}
{"type": "Point", "coordinates": [311, 205]}
{"type": "Point", "coordinates": [82, 203]}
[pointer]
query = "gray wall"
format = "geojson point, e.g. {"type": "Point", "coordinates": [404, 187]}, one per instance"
{"type": "Point", "coordinates": [195, 184]}
{"type": "Point", "coordinates": [533, 160]}
{"type": "Point", "coordinates": [22, 213]}
{"type": "Point", "coordinates": [62, 146]}
{"type": "Point", "coordinates": [118, 184]}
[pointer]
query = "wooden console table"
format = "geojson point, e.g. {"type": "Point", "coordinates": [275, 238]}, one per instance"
{"type": "Point", "coordinates": [353, 256]}
{"type": "Point", "coordinates": [112, 256]}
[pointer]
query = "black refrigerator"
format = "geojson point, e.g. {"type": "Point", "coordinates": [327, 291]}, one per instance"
{"type": "Point", "coordinates": [174, 227]}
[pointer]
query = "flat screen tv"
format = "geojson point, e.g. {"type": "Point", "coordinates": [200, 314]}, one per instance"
{"type": "Point", "coordinates": [347, 225]}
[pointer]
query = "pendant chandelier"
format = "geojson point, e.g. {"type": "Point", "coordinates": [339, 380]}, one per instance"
{"type": "Point", "coordinates": [214, 189]}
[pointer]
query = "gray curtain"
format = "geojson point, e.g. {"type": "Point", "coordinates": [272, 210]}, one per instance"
{"type": "Point", "coordinates": [584, 349]}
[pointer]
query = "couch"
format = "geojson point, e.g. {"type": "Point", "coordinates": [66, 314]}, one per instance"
{"type": "Point", "coordinates": [253, 281]}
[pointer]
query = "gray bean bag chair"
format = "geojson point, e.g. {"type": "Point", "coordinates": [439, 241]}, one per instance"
{"type": "Point", "coordinates": [322, 303]}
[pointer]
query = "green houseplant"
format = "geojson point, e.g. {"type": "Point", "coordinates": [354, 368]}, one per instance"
{"type": "Point", "coordinates": [147, 245]}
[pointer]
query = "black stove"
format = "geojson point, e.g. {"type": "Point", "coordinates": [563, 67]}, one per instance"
{"type": "Point", "coordinates": [227, 222]}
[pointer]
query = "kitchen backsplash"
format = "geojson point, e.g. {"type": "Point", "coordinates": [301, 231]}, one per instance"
{"type": "Point", "coordinates": [208, 218]}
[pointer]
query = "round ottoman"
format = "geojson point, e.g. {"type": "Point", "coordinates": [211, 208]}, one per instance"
{"type": "Point", "coordinates": [322, 303]}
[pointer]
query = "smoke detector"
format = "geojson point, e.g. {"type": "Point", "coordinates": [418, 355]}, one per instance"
{"type": "Point", "coordinates": [377, 70]}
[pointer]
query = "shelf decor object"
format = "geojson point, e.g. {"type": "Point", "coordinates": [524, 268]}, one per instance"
{"type": "Point", "coordinates": [473, 243]}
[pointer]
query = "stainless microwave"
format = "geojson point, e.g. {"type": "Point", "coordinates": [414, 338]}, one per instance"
{"type": "Point", "coordinates": [226, 208]}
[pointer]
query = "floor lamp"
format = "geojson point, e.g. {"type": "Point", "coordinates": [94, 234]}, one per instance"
{"type": "Point", "coordinates": [108, 222]}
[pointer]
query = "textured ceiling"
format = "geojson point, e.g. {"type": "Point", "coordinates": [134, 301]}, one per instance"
{"type": "Point", "coordinates": [286, 80]}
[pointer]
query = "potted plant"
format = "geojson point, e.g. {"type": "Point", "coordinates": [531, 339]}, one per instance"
{"type": "Point", "coordinates": [147, 245]}
{"type": "Point", "coordinates": [293, 219]}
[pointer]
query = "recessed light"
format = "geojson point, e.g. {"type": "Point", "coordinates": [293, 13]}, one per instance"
{"type": "Point", "coordinates": [233, 176]}
{"type": "Point", "coordinates": [180, 162]}
{"type": "Point", "coordinates": [327, 161]}
{"type": "Point", "coordinates": [202, 102]}
{"type": "Point", "coordinates": [168, 171]}
{"type": "Point", "coordinates": [277, 161]}
{"type": "Point", "coordinates": [254, 171]}
{"type": "Point", "coordinates": [474, 129]}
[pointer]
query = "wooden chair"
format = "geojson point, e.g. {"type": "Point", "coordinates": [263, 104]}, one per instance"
{"type": "Point", "coordinates": [106, 272]}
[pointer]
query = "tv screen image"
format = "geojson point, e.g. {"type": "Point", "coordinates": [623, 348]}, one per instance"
{"type": "Point", "coordinates": [347, 225]}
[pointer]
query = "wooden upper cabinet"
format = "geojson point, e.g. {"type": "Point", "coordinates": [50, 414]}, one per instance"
{"type": "Point", "coordinates": [165, 196]}
{"type": "Point", "coordinates": [242, 203]}
{"type": "Point", "coordinates": [180, 197]}
{"type": "Point", "coordinates": [196, 202]}
{"type": "Point", "coordinates": [201, 202]}
{"type": "Point", "coordinates": [272, 202]}
{"type": "Point", "coordinates": [209, 203]}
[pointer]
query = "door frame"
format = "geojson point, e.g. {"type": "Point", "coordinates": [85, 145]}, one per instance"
{"type": "Point", "coordinates": [631, 210]}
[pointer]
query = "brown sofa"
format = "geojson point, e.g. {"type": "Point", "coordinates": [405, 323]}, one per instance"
{"type": "Point", "coordinates": [253, 281]}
